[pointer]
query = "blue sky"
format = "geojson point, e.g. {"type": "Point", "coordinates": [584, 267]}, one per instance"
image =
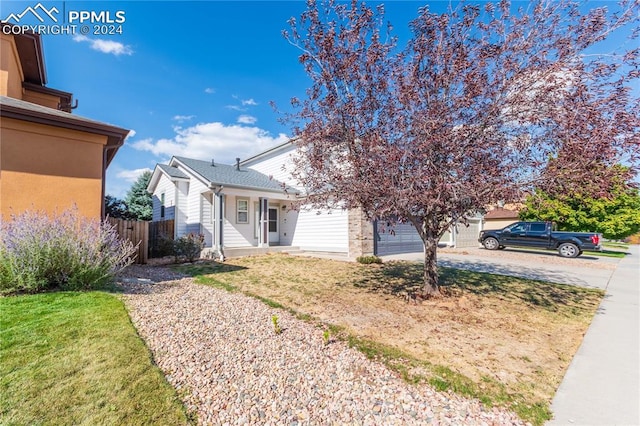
{"type": "Point", "coordinates": [191, 78]}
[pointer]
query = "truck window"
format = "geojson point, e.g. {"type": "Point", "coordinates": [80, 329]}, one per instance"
{"type": "Point", "coordinates": [538, 227]}
{"type": "Point", "coordinates": [518, 227]}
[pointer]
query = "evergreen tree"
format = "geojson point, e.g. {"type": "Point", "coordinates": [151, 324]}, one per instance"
{"type": "Point", "coordinates": [139, 202]}
{"type": "Point", "coordinates": [115, 207]}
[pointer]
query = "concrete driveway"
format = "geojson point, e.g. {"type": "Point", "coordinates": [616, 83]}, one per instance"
{"type": "Point", "coordinates": [586, 271]}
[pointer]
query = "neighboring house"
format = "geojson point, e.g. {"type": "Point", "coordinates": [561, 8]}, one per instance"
{"type": "Point", "coordinates": [499, 218]}
{"type": "Point", "coordinates": [248, 205]}
{"type": "Point", "coordinates": [50, 159]}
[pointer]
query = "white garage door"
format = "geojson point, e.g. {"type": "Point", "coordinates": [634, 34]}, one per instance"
{"type": "Point", "coordinates": [468, 236]}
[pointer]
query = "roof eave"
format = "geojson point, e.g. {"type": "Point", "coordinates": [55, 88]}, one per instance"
{"type": "Point", "coordinates": [253, 188]}
{"type": "Point", "coordinates": [269, 151]}
{"type": "Point", "coordinates": [29, 45]}
{"type": "Point", "coordinates": [115, 135]}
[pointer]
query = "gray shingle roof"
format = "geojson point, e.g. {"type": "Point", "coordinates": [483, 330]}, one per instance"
{"type": "Point", "coordinates": [173, 172]}
{"type": "Point", "coordinates": [222, 174]}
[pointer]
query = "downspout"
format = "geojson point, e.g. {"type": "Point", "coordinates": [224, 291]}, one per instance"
{"type": "Point", "coordinates": [104, 182]}
{"type": "Point", "coordinates": [105, 150]}
{"type": "Point", "coordinates": [104, 179]}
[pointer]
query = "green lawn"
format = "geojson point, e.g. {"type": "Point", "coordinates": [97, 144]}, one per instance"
{"type": "Point", "coordinates": [75, 358]}
{"type": "Point", "coordinates": [616, 244]}
{"type": "Point", "coordinates": [607, 253]}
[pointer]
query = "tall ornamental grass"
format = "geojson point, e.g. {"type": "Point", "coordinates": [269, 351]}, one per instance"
{"type": "Point", "coordinates": [63, 251]}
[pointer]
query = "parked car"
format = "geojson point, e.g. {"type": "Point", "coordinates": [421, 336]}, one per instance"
{"type": "Point", "coordinates": [540, 235]}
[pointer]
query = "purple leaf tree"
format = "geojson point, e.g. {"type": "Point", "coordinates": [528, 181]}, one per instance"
{"type": "Point", "coordinates": [482, 104]}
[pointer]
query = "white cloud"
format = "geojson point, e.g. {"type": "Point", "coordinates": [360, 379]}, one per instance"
{"type": "Point", "coordinates": [105, 46]}
{"type": "Point", "coordinates": [131, 175]}
{"type": "Point", "coordinates": [250, 102]}
{"type": "Point", "coordinates": [210, 90]}
{"type": "Point", "coordinates": [182, 118]}
{"type": "Point", "coordinates": [247, 119]}
{"type": "Point", "coordinates": [213, 140]}
{"type": "Point", "coordinates": [131, 134]}
{"type": "Point", "coordinates": [141, 142]}
{"type": "Point", "coordinates": [236, 108]}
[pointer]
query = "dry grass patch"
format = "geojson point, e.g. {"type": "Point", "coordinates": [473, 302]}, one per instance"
{"type": "Point", "coordinates": [502, 339]}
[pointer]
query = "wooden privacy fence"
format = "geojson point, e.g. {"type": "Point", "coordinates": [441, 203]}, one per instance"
{"type": "Point", "coordinates": [137, 232]}
{"type": "Point", "coordinates": [159, 234]}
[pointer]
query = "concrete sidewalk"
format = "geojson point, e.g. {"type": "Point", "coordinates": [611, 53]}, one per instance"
{"type": "Point", "coordinates": [602, 384]}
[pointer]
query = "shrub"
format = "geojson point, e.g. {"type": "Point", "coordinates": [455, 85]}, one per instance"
{"type": "Point", "coordinates": [188, 246]}
{"type": "Point", "coordinates": [64, 251]}
{"type": "Point", "coordinates": [366, 260]}
{"type": "Point", "coordinates": [164, 246]}
{"type": "Point", "coordinates": [633, 239]}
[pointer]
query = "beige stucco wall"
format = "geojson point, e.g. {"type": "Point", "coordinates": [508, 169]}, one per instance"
{"type": "Point", "coordinates": [498, 223]}
{"type": "Point", "coordinates": [11, 76]}
{"type": "Point", "coordinates": [49, 168]}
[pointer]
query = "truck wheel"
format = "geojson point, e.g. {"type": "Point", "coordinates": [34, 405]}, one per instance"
{"type": "Point", "coordinates": [490, 243]}
{"type": "Point", "coordinates": [568, 250]}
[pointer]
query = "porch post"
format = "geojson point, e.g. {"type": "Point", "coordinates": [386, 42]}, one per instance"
{"type": "Point", "coordinates": [215, 213]}
{"type": "Point", "coordinates": [263, 229]}
{"type": "Point", "coordinates": [219, 222]}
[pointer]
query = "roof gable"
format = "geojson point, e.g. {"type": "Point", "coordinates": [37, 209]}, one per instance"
{"type": "Point", "coordinates": [173, 173]}
{"type": "Point", "coordinates": [226, 175]}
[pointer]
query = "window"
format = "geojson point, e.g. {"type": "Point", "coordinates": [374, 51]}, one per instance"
{"type": "Point", "coordinates": [242, 211]}
{"type": "Point", "coordinates": [538, 227]}
{"type": "Point", "coordinates": [273, 220]}
{"type": "Point", "coordinates": [162, 205]}
{"type": "Point", "coordinates": [520, 227]}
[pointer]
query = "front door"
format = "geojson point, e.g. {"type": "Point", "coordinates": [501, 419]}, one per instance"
{"type": "Point", "coordinates": [274, 234]}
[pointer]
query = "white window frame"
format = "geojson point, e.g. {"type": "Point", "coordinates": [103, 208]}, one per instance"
{"type": "Point", "coordinates": [238, 210]}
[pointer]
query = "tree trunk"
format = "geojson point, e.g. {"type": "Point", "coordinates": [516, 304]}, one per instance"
{"type": "Point", "coordinates": [429, 230]}
{"type": "Point", "coordinates": [430, 287]}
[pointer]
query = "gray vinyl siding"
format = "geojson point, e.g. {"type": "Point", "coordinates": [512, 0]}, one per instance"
{"type": "Point", "coordinates": [168, 188]}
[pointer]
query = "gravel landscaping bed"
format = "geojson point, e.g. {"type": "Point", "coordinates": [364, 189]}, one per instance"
{"type": "Point", "coordinates": [220, 351]}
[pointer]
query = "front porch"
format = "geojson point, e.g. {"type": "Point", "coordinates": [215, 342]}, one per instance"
{"type": "Point", "coordinates": [238, 222]}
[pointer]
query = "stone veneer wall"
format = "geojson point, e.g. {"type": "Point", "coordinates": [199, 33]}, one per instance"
{"type": "Point", "coordinates": [360, 234]}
